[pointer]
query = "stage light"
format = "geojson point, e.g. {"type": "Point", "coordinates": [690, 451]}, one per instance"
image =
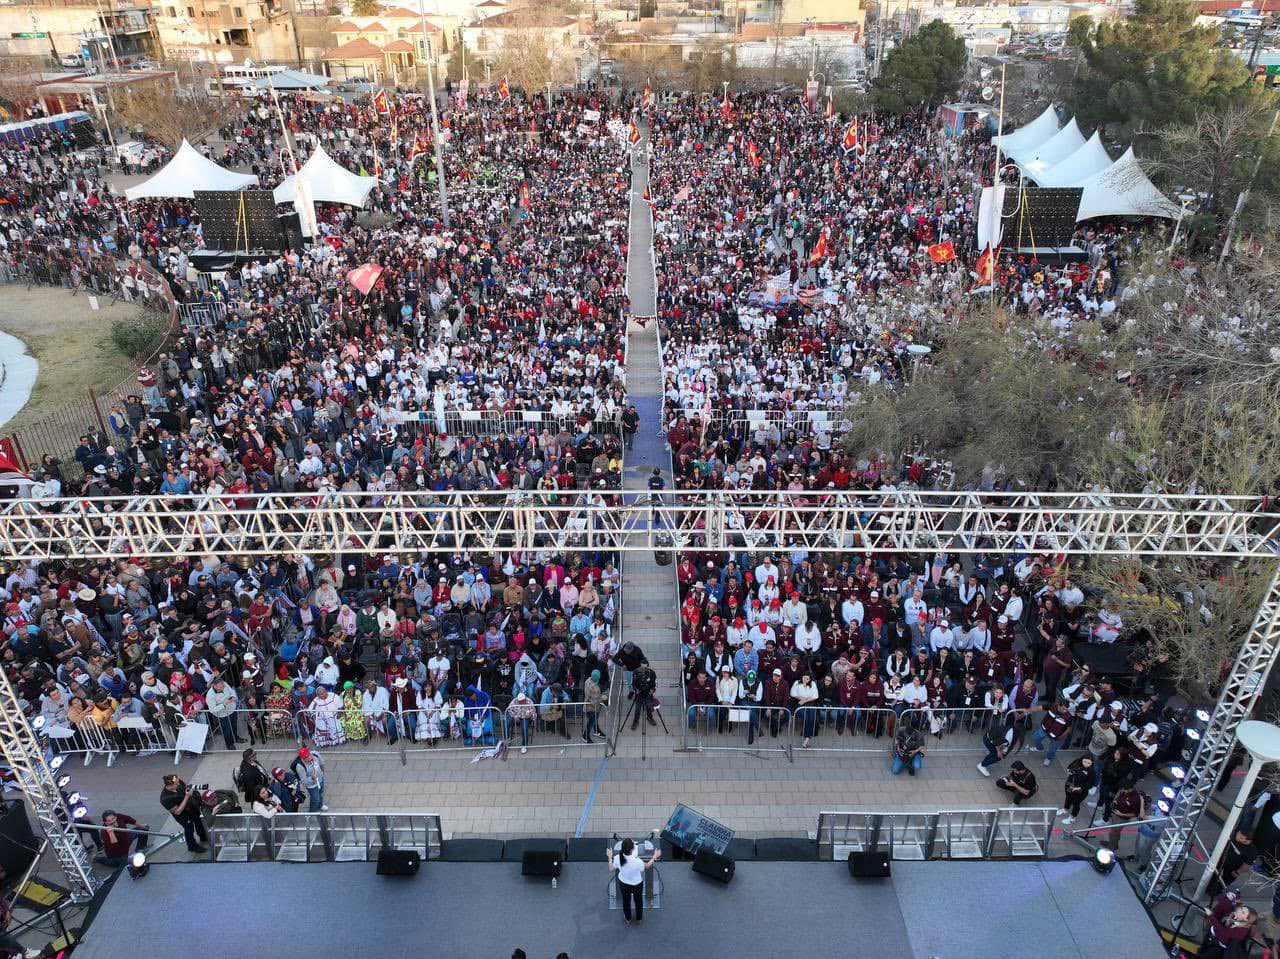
{"type": "Point", "coordinates": [1202, 715]}
{"type": "Point", "coordinates": [64, 782]}
{"type": "Point", "coordinates": [1104, 860]}
{"type": "Point", "coordinates": [74, 799]}
{"type": "Point", "coordinates": [1193, 735]}
{"type": "Point", "coordinates": [79, 812]}
{"type": "Point", "coordinates": [56, 763]}
{"type": "Point", "coordinates": [1168, 793]}
{"type": "Point", "coordinates": [1177, 772]}
{"type": "Point", "coordinates": [37, 723]}
{"type": "Point", "coordinates": [1163, 806]}
{"type": "Point", "coordinates": [138, 865]}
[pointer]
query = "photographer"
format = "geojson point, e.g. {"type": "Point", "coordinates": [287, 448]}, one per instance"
{"type": "Point", "coordinates": [644, 681]}
{"type": "Point", "coordinates": [1231, 926]}
{"type": "Point", "coordinates": [184, 805]}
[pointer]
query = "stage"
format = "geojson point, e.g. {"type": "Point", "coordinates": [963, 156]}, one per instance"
{"type": "Point", "coordinates": [951, 910]}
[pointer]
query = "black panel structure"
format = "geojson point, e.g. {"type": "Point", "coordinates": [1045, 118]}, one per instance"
{"type": "Point", "coordinates": [239, 220]}
{"type": "Point", "coordinates": [1039, 217]}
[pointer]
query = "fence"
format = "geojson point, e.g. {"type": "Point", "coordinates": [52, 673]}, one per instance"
{"type": "Point", "coordinates": [1011, 832]}
{"type": "Point", "coordinates": [58, 431]}
{"type": "Point", "coordinates": [322, 837]}
{"type": "Point", "coordinates": [736, 727]}
{"type": "Point", "coordinates": [489, 423]}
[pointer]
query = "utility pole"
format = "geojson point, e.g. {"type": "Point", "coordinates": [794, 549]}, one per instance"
{"type": "Point", "coordinates": [435, 118]}
{"type": "Point", "coordinates": [777, 34]}
{"type": "Point", "coordinates": [1257, 38]}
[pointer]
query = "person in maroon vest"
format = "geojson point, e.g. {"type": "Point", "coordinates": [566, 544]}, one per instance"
{"type": "Point", "coordinates": [1053, 731]}
{"type": "Point", "coordinates": [777, 697]}
{"type": "Point", "coordinates": [871, 696]}
{"type": "Point", "coordinates": [1002, 635]}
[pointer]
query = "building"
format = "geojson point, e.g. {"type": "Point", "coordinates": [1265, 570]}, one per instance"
{"type": "Point", "coordinates": [98, 36]}
{"type": "Point", "coordinates": [486, 37]}
{"type": "Point", "coordinates": [213, 31]}
{"type": "Point", "coordinates": [823, 11]}
{"type": "Point", "coordinates": [387, 48]}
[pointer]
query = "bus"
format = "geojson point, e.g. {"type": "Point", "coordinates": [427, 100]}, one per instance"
{"type": "Point", "coordinates": [237, 76]}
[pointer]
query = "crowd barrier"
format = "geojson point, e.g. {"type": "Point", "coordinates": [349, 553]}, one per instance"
{"type": "Point", "coordinates": [752, 728]}
{"type": "Point", "coordinates": [1010, 832]}
{"type": "Point", "coordinates": [322, 837]}
{"type": "Point", "coordinates": [410, 424]}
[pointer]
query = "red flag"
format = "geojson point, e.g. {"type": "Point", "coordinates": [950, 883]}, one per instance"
{"type": "Point", "coordinates": [850, 136]}
{"type": "Point", "coordinates": [524, 194]}
{"type": "Point", "coordinates": [819, 250]}
{"type": "Point", "coordinates": [504, 91]}
{"type": "Point", "coordinates": [633, 133]}
{"type": "Point", "coordinates": [987, 266]}
{"type": "Point", "coordinates": [831, 109]}
{"type": "Point", "coordinates": [380, 102]}
{"type": "Point", "coordinates": [753, 155]}
{"type": "Point", "coordinates": [418, 148]}
{"type": "Point", "coordinates": [395, 133]}
{"type": "Point", "coordinates": [365, 278]}
{"type": "Point", "coordinates": [648, 95]}
{"type": "Point", "coordinates": [377, 160]}
{"type": "Point", "coordinates": [726, 108]}
{"type": "Point", "coordinates": [648, 198]}
{"type": "Point", "coordinates": [942, 252]}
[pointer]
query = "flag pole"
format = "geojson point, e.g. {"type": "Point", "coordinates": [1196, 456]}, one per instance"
{"type": "Point", "coordinates": [435, 119]}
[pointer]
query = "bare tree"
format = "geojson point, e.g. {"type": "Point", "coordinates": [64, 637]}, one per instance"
{"type": "Point", "coordinates": [533, 56]}
{"type": "Point", "coordinates": [18, 79]}
{"type": "Point", "coordinates": [169, 116]}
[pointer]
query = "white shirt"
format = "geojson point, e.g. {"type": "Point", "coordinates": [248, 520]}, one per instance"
{"type": "Point", "coordinates": [809, 638]}
{"type": "Point", "coordinates": [914, 609]}
{"type": "Point", "coordinates": [631, 869]}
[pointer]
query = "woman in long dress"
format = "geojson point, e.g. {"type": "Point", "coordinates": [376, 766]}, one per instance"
{"type": "Point", "coordinates": [353, 721]}
{"type": "Point", "coordinates": [429, 705]}
{"type": "Point", "coordinates": [326, 709]}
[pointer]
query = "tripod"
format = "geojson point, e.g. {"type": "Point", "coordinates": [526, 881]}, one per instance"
{"type": "Point", "coordinates": [631, 713]}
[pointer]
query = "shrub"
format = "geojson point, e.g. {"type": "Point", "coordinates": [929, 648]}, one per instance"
{"type": "Point", "coordinates": [138, 334]}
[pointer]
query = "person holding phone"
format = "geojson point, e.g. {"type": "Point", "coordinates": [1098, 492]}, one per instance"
{"type": "Point", "coordinates": [631, 869]}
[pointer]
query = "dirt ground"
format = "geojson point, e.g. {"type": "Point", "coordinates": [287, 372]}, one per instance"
{"type": "Point", "coordinates": [71, 341]}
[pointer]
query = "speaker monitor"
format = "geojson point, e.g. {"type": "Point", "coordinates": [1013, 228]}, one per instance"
{"type": "Point", "coordinates": [17, 843]}
{"type": "Point", "coordinates": [540, 863]}
{"type": "Point", "coordinates": [869, 865]}
{"type": "Point", "coordinates": [713, 865]}
{"type": "Point", "coordinates": [399, 862]}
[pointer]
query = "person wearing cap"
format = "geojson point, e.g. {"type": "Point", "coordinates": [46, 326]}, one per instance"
{"type": "Point", "coordinates": [776, 698]}
{"type": "Point", "coordinates": [942, 636]}
{"type": "Point", "coordinates": [183, 804]}
{"type": "Point", "coordinates": [309, 768]}
{"type": "Point", "coordinates": [286, 788]}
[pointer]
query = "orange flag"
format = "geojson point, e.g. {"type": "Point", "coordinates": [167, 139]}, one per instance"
{"type": "Point", "coordinates": [987, 266]}
{"type": "Point", "coordinates": [819, 250]}
{"type": "Point", "coordinates": [850, 136]}
{"type": "Point", "coordinates": [633, 133]}
{"type": "Point", "coordinates": [504, 90]}
{"type": "Point", "coordinates": [942, 252]}
{"type": "Point", "coordinates": [753, 155]}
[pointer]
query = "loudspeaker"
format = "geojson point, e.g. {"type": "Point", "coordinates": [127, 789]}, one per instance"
{"type": "Point", "coordinates": [399, 862]}
{"type": "Point", "coordinates": [539, 863]}
{"type": "Point", "coordinates": [17, 843]}
{"type": "Point", "coordinates": [629, 655]}
{"type": "Point", "coordinates": [713, 865]}
{"type": "Point", "coordinates": [869, 865]}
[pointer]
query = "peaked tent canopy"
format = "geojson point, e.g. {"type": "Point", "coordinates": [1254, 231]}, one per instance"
{"type": "Point", "coordinates": [329, 182]}
{"type": "Point", "coordinates": [1123, 190]}
{"type": "Point", "coordinates": [1091, 158]}
{"type": "Point", "coordinates": [1026, 139]}
{"type": "Point", "coordinates": [188, 171]}
{"type": "Point", "coordinates": [1058, 147]}
{"type": "Point", "coordinates": [291, 80]}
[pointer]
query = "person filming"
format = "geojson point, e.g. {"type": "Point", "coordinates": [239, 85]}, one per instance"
{"type": "Point", "coordinates": [631, 869]}
{"type": "Point", "coordinates": [644, 681]}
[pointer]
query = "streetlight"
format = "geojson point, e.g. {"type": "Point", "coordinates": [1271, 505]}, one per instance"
{"type": "Point", "coordinates": [435, 118]}
{"type": "Point", "coordinates": [1262, 741]}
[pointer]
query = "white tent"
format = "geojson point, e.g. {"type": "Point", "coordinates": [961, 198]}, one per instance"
{"type": "Point", "coordinates": [291, 80]}
{"type": "Point", "coordinates": [1027, 138]}
{"type": "Point", "coordinates": [188, 171]}
{"type": "Point", "coordinates": [1058, 147]}
{"type": "Point", "coordinates": [1091, 158]}
{"type": "Point", "coordinates": [329, 183]}
{"type": "Point", "coordinates": [1123, 190]}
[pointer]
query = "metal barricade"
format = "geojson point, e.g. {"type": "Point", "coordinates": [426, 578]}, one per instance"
{"type": "Point", "coordinates": [141, 738]}
{"type": "Point", "coordinates": [1022, 833]}
{"type": "Point", "coordinates": [478, 727]}
{"type": "Point", "coordinates": [965, 834]}
{"type": "Point", "coordinates": [841, 729]}
{"type": "Point", "coordinates": [546, 730]}
{"type": "Point", "coordinates": [87, 740]}
{"type": "Point", "coordinates": [202, 315]}
{"type": "Point", "coordinates": [323, 837]}
{"type": "Point", "coordinates": [740, 728]}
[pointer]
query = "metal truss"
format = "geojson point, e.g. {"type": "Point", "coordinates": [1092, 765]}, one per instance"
{"type": "Point", "coordinates": [26, 759]}
{"type": "Point", "coordinates": [1102, 524]}
{"type": "Point", "coordinates": [1069, 524]}
{"type": "Point", "coordinates": [1240, 693]}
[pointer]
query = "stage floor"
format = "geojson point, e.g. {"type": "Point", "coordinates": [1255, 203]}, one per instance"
{"type": "Point", "coordinates": [981, 910]}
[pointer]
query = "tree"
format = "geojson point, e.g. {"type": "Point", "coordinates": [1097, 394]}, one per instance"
{"type": "Point", "coordinates": [533, 56]}
{"type": "Point", "coordinates": [169, 116]}
{"type": "Point", "coordinates": [1213, 155]}
{"type": "Point", "coordinates": [1154, 68]}
{"type": "Point", "coordinates": [926, 69]}
{"type": "Point", "coordinates": [365, 8]}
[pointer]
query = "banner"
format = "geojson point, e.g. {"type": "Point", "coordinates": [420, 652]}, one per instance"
{"type": "Point", "coordinates": [811, 95]}
{"type": "Point", "coordinates": [690, 830]}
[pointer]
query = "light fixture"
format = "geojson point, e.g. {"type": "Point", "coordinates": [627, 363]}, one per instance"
{"type": "Point", "coordinates": [1104, 860]}
{"type": "Point", "coordinates": [1202, 715]}
{"type": "Point", "coordinates": [1163, 806]}
{"type": "Point", "coordinates": [79, 812]}
{"type": "Point", "coordinates": [64, 782]}
{"type": "Point", "coordinates": [74, 799]}
{"type": "Point", "coordinates": [138, 865]}
{"type": "Point", "coordinates": [38, 723]}
{"type": "Point", "coordinates": [1193, 735]}
{"type": "Point", "coordinates": [56, 763]}
{"type": "Point", "coordinates": [1168, 793]}
{"type": "Point", "coordinates": [1177, 772]}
